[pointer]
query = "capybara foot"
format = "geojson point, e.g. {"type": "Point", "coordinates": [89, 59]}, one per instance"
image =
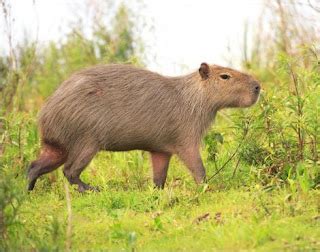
{"type": "Point", "coordinates": [85, 187]}
{"type": "Point", "coordinates": [32, 177]}
{"type": "Point", "coordinates": [32, 184]}
{"type": "Point", "coordinates": [158, 186]}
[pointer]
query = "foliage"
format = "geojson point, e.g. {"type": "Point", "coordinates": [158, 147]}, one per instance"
{"type": "Point", "coordinates": [283, 130]}
{"type": "Point", "coordinates": [39, 71]}
{"type": "Point", "coordinates": [263, 163]}
{"type": "Point", "coordinates": [129, 214]}
{"type": "Point", "coordinates": [29, 75]}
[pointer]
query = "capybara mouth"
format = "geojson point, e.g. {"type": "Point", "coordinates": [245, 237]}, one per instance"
{"type": "Point", "coordinates": [250, 100]}
{"type": "Point", "coordinates": [255, 93]}
{"type": "Point", "coordinates": [256, 98]}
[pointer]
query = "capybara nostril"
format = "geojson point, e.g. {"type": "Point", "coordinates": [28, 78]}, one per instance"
{"type": "Point", "coordinates": [257, 88]}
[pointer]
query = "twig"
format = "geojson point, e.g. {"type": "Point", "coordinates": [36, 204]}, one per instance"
{"type": "Point", "coordinates": [69, 220]}
{"type": "Point", "coordinates": [224, 165]}
{"type": "Point", "coordinates": [19, 142]}
{"type": "Point", "coordinates": [299, 110]}
{"type": "Point", "coordinates": [246, 130]}
{"type": "Point", "coordinates": [8, 20]}
{"type": "Point", "coordinates": [315, 8]}
{"type": "Point", "coordinates": [236, 168]}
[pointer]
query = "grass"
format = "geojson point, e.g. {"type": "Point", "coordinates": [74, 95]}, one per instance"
{"type": "Point", "coordinates": [238, 212]}
{"type": "Point", "coordinates": [122, 217]}
{"type": "Point", "coordinates": [130, 214]}
{"type": "Point", "coordinates": [266, 198]}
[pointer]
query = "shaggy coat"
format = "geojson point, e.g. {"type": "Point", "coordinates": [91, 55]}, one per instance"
{"type": "Point", "coordinates": [122, 108]}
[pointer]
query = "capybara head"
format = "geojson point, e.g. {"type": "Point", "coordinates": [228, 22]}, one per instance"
{"type": "Point", "coordinates": [230, 87]}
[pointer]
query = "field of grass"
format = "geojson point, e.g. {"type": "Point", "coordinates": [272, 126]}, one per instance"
{"type": "Point", "coordinates": [230, 212]}
{"type": "Point", "coordinates": [263, 163]}
{"type": "Point", "coordinates": [181, 217]}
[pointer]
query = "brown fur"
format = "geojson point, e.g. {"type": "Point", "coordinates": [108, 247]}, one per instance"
{"type": "Point", "coordinates": [122, 108]}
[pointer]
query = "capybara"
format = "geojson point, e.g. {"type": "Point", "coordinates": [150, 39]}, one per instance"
{"type": "Point", "coordinates": [122, 108]}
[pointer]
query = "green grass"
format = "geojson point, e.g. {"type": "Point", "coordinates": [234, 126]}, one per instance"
{"type": "Point", "coordinates": [129, 213]}
{"type": "Point", "coordinates": [266, 198]}
{"type": "Point", "coordinates": [240, 212]}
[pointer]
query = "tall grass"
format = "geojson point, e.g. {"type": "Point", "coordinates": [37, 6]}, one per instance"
{"type": "Point", "coordinates": [281, 142]}
{"type": "Point", "coordinates": [29, 74]}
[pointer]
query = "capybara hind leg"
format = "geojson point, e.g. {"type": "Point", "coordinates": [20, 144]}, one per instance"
{"type": "Point", "coordinates": [160, 164]}
{"type": "Point", "coordinates": [73, 168]}
{"type": "Point", "coordinates": [192, 159]}
{"type": "Point", "coordinates": [50, 159]}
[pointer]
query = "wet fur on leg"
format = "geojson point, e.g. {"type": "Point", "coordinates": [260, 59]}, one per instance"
{"type": "Point", "coordinates": [50, 158]}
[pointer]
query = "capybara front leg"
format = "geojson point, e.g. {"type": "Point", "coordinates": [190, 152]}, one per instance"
{"type": "Point", "coordinates": [160, 164]}
{"type": "Point", "coordinates": [192, 159]}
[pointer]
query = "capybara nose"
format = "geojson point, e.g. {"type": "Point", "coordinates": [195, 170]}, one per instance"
{"type": "Point", "coordinates": [256, 87]}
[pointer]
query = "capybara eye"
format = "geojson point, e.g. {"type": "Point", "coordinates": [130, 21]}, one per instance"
{"type": "Point", "coordinates": [225, 76]}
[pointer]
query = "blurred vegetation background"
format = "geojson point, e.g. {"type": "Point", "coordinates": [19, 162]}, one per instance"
{"type": "Point", "coordinates": [274, 145]}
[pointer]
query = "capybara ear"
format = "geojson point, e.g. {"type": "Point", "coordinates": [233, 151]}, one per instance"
{"type": "Point", "coordinates": [204, 71]}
